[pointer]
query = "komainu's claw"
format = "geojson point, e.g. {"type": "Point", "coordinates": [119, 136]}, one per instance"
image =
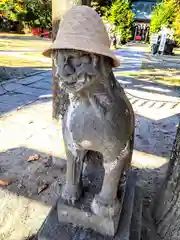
{"type": "Point", "coordinates": [102, 207]}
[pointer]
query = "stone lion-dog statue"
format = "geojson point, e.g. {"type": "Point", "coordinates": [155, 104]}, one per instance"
{"type": "Point", "coordinates": [99, 117]}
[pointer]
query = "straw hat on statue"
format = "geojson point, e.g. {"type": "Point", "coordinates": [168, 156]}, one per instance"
{"type": "Point", "coordinates": [83, 29]}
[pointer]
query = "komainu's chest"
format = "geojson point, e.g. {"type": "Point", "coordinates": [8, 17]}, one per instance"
{"type": "Point", "coordinates": [85, 122]}
{"type": "Point", "coordinates": [81, 120]}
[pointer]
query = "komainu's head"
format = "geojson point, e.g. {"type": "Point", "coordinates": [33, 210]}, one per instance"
{"type": "Point", "coordinates": [78, 70]}
{"type": "Point", "coordinates": [81, 41]}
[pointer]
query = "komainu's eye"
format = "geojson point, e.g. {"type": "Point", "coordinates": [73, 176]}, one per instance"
{"type": "Point", "coordinates": [68, 70]}
{"type": "Point", "coordinates": [74, 61]}
{"type": "Point", "coordinates": [85, 59]}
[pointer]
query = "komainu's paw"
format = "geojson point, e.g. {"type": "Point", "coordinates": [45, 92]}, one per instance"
{"type": "Point", "coordinates": [71, 193]}
{"type": "Point", "coordinates": [105, 208]}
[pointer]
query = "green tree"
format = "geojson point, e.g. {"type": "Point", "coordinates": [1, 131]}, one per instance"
{"type": "Point", "coordinates": [102, 7]}
{"type": "Point", "coordinates": [39, 13]}
{"type": "Point", "coordinates": [176, 26]}
{"type": "Point", "coordinates": [30, 12]}
{"type": "Point", "coordinates": [163, 14]}
{"type": "Point", "coordinates": [122, 17]}
{"type": "Point", "coordinates": [14, 10]}
{"type": "Point", "coordinates": [167, 13]}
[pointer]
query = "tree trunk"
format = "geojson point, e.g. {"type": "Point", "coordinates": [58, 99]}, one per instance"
{"type": "Point", "coordinates": [60, 98]}
{"type": "Point", "coordinates": [166, 211]}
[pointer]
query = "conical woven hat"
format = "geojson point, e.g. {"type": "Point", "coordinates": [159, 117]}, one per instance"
{"type": "Point", "coordinates": [83, 29]}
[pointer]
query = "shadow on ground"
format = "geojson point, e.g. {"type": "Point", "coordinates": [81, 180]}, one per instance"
{"type": "Point", "coordinates": [139, 83]}
{"type": "Point", "coordinates": [155, 136]}
{"type": "Point", "coordinates": [16, 101]}
{"type": "Point", "coordinates": [42, 174]}
{"type": "Point", "coordinates": [38, 180]}
{"type": "Point", "coordinates": [8, 73]}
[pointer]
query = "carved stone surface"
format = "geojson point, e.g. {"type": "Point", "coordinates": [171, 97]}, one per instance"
{"type": "Point", "coordinates": [129, 225]}
{"type": "Point", "coordinates": [99, 118]}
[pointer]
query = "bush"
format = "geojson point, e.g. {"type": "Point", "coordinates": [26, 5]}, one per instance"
{"type": "Point", "coordinates": [122, 17]}
{"type": "Point", "coordinates": [34, 13]}
{"type": "Point", "coordinates": [102, 7]}
{"type": "Point", "coordinates": [14, 10]}
{"type": "Point", "coordinates": [167, 13]}
{"type": "Point", "coordinates": [176, 26]}
{"type": "Point", "coordinates": [162, 15]}
{"type": "Point", "coordinates": [39, 13]}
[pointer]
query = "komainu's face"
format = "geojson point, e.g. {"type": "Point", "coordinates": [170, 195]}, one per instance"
{"type": "Point", "coordinates": [76, 70]}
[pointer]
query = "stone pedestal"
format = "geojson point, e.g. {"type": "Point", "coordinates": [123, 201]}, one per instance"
{"type": "Point", "coordinates": [78, 223]}
{"type": "Point", "coordinates": [80, 215]}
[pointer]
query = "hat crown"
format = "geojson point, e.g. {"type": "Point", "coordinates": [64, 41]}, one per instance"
{"type": "Point", "coordinates": [83, 22]}
{"type": "Point", "coordinates": [82, 29]}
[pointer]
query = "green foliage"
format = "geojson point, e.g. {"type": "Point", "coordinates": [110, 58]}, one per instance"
{"type": "Point", "coordinates": [122, 17]}
{"type": "Point", "coordinates": [39, 13]}
{"type": "Point", "coordinates": [102, 7]}
{"type": "Point", "coordinates": [167, 13]}
{"type": "Point", "coordinates": [31, 12]}
{"type": "Point", "coordinates": [162, 15]}
{"type": "Point", "coordinates": [176, 27]}
{"type": "Point", "coordinates": [13, 9]}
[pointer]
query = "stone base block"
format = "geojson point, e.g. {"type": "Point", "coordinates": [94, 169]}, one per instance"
{"type": "Point", "coordinates": [87, 219]}
{"type": "Point", "coordinates": [78, 223]}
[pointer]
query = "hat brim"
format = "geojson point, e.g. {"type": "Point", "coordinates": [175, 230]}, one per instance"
{"type": "Point", "coordinates": [83, 44]}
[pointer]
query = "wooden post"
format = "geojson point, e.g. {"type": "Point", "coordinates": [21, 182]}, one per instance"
{"type": "Point", "coordinates": [60, 98]}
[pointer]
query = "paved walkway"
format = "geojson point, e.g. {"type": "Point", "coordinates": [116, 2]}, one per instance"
{"type": "Point", "coordinates": [26, 129]}
{"type": "Point", "coordinates": [131, 61]}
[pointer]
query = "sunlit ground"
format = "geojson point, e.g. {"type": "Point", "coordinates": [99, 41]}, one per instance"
{"type": "Point", "coordinates": [169, 77]}
{"type": "Point", "coordinates": [21, 55]}
{"type": "Point", "coordinates": [24, 60]}
{"type": "Point", "coordinates": [33, 128]}
{"type": "Point", "coordinates": [19, 42]}
{"type": "Point", "coordinates": [20, 217]}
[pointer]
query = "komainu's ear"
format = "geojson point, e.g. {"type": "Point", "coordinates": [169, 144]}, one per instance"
{"type": "Point", "coordinates": [53, 53]}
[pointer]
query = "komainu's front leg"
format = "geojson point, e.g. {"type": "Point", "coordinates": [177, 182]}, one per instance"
{"type": "Point", "coordinates": [72, 188]}
{"type": "Point", "coordinates": [106, 202]}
